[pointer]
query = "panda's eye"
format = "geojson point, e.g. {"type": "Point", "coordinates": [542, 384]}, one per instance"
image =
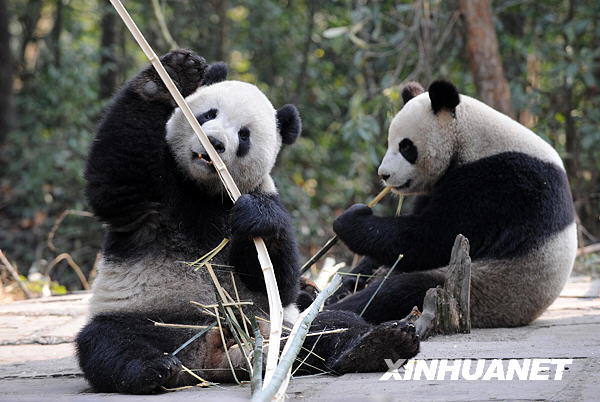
{"type": "Point", "coordinates": [244, 134]}
{"type": "Point", "coordinates": [206, 116]}
{"type": "Point", "coordinates": [211, 114]}
{"type": "Point", "coordinates": [244, 145]}
{"type": "Point", "coordinates": [408, 150]}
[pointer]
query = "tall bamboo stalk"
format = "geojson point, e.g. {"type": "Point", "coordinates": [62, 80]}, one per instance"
{"type": "Point", "coordinates": [275, 308]}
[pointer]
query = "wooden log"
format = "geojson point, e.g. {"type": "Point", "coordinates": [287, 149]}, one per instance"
{"type": "Point", "coordinates": [446, 310]}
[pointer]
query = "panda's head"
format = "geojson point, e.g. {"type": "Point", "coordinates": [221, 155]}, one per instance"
{"type": "Point", "coordinates": [242, 125]}
{"type": "Point", "coordinates": [421, 139]}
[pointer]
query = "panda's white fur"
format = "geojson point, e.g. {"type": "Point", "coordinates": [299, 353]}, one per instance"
{"type": "Point", "coordinates": [533, 281]}
{"type": "Point", "coordinates": [139, 287]}
{"type": "Point", "coordinates": [250, 108]}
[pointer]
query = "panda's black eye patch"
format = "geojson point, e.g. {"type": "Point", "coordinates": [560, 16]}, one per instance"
{"type": "Point", "coordinates": [244, 144]}
{"type": "Point", "coordinates": [408, 150]}
{"type": "Point", "coordinates": [244, 133]}
{"type": "Point", "coordinates": [206, 116]}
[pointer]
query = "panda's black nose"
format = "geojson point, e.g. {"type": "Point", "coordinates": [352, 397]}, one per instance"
{"type": "Point", "coordinates": [219, 146]}
{"type": "Point", "coordinates": [384, 176]}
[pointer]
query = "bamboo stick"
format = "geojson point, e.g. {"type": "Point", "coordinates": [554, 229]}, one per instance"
{"type": "Point", "coordinates": [400, 256]}
{"type": "Point", "coordinates": [193, 338]}
{"type": "Point", "coordinates": [257, 357]}
{"type": "Point", "coordinates": [275, 307]}
{"type": "Point", "coordinates": [334, 239]}
{"type": "Point", "coordinates": [225, 348]}
{"type": "Point", "coordinates": [276, 388]}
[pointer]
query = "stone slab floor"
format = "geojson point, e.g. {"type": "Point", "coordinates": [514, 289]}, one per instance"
{"type": "Point", "coordinates": [37, 359]}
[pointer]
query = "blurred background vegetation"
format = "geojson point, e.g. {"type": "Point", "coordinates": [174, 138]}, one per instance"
{"type": "Point", "coordinates": [341, 62]}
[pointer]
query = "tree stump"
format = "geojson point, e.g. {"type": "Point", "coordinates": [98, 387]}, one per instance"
{"type": "Point", "coordinates": [446, 309]}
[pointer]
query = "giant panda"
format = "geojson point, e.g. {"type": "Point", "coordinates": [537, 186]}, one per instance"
{"type": "Point", "coordinates": [155, 188]}
{"type": "Point", "coordinates": [478, 173]}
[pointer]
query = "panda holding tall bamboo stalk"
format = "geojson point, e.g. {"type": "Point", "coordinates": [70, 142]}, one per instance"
{"type": "Point", "coordinates": [156, 189]}
{"type": "Point", "coordinates": [477, 173]}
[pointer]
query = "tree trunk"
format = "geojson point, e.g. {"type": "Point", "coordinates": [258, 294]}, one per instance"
{"type": "Point", "coordinates": [572, 140]}
{"type": "Point", "coordinates": [572, 159]}
{"type": "Point", "coordinates": [108, 48]}
{"type": "Point", "coordinates": [302, 72]}
{"type": "Point", "coordinates": [484, 57]}
{"type": "Point", "coordinates": [56, 31]}
{"type": "Point", "coordinates": [29, 20]}
{"type": "Point", "coordinates": [221, 39]}
{"type": "Point", "coordinates": [6, 74]}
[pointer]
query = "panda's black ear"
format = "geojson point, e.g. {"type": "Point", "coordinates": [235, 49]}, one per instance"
{"type": "Point", "coordinates": [410, 90]}
{"type": "Point", "coordinates": [289, 123]}
{"type": "Point", "coordinates": [443, 95]}
{"type": "Point", "coordinates": [216, 72]}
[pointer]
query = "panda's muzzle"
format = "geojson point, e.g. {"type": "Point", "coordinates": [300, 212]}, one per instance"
{"type": "Point", "coordinates": [202, 156]}
{"type": "Point", "coordinates": [405, 185]}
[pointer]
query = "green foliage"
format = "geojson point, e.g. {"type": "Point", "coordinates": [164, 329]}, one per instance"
{"type": "Point", "coordinates": [342, 63]}
{"type": "Point", "coordinates": [57, 109]}
{"type": "Point", "coordinates": [40, 285]}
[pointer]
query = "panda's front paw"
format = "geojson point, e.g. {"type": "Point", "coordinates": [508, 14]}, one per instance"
{"type": "Point", "coordinates": [186, 69]}
{"type": "Point", "coordinates": [257, 216]}
{"type": "Point", "coordinates": [351, 225]}
{"type": "Point", "coordinates": [150, 376]}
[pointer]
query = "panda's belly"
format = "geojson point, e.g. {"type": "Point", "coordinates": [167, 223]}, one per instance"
{"type": "Point", "coordinates": [158, 285]}
{"type": "Point", "coordinates": [514, 292]}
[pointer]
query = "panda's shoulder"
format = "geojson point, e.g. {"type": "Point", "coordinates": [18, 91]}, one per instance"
{"type": "Point", "coordinates": [513, 168]}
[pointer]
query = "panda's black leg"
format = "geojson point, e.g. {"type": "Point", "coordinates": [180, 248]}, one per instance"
{"type": "Point", "coordinates": [362, 347]}
{"type": "Point", "coordinates": [396, 298]}
{"type": "Point", "coordinates": [124, 353]}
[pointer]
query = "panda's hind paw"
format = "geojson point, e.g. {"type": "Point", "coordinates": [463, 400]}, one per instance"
{"type": "Point", "coordinates": [391, 340]}
{"type": "Point", "coordinates": [150, 376]}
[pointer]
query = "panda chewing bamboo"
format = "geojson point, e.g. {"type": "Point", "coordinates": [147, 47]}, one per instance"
{"type": "Point", "coordinates": [480, 174]}
{"type": "Point", "coordinates": [153, 185]}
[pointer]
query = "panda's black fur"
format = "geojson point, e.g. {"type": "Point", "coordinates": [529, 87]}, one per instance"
{"type": "Point", "coordinates": [514, 208]}
{"type": "Point", "coordinates": [157, 217]}
{"type": "Point", "coordinates": [497, 229]}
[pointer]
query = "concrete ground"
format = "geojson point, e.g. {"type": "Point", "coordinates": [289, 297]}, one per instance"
{"type": "Point", "coordinates": [37, 361]}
